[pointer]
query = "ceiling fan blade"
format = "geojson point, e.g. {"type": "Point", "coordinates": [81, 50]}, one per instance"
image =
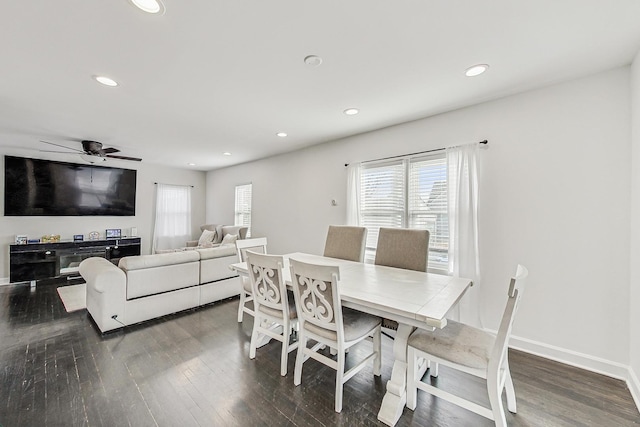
{"type": "Point", "coordinates": [52, 151]}
{"type": "Point", "coordinates": [135, 159]}
{"type": "Point", "coordinates": [63, 146]}
{"type": "Point", "coordinates": [110, 150]}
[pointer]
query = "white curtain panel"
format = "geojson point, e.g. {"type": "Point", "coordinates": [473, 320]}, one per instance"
{"type": "Point", "coordinates": [353, 194]}
{"type": "Point", "coordinates": [464, 261]}
{"type": "Point", "coordinates": [173, 217]}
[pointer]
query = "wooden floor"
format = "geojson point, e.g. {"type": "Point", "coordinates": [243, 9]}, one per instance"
{"type": "Point", "coordinates": [193, 369]}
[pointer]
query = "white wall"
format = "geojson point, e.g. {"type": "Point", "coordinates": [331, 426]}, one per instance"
{"type": "Point", "coordinates": [66, 227]}
{"type": "Point", "coordinates": [634, 300]}
{"type": "Point", "coordinates": [555, 185]}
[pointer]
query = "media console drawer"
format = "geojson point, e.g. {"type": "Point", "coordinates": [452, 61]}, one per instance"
{"type": "Point", "coordinates": [36, 261]}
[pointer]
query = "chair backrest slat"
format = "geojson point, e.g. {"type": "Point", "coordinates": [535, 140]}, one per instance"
{"type": "Point", "coordinates": [516, 289]}
{"type": "Point", "coordinates": [265, 273]}
{"type": "Point", "coordinates": [258, 244]}
{"type": "Point", "coordinates": [315, 288]}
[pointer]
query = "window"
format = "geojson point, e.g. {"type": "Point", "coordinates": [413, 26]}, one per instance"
{"type": "Point", "coordinates": [243, 207]}
{"type": "Point", "coordinates": [173, 217]}
{"type": "Point", "coordinates": [407, 193]}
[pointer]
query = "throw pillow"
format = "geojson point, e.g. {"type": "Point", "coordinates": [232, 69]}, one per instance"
{"type": "Point", "coordinates": [229, 239]}
{"type": "Point", "coordinates": [219, 236]}
{"type": "Point", "coordinates": [206, 237]}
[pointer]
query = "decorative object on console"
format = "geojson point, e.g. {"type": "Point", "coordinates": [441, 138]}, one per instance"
{"type": "Point", "coordinates": [113, 233]}
{"type": "Point", "coordinates": [134, 231]}
{"type": "Point", "coordinates": [78, 237]}
{"type": "Point", "coordinates": [21, 239]}
{"type": "Point", "coordinates": [94, 235]}
{"type": "Point", "coordinates": [51, 238]}
{"type": "Point", "coordinates": [33, 240]}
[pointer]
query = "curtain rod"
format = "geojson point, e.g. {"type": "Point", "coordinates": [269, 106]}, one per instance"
{"type": "Point", "coordinates": [177, 185]}
{"type": "Point", "coordinates": [413, 154]}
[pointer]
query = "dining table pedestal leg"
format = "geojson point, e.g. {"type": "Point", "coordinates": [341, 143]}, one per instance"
{"type": "Point", "coordinates": [395, 399]}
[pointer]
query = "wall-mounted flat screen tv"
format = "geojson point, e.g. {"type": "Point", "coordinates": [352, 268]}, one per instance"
{"type": "Point", "coordinates": [35, 187]}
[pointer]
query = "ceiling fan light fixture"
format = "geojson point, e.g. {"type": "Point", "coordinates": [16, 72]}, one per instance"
{"type": "Point", "coordinates": [92, 159]}
{"type": "Point", "coordinates": [476, 70]}
{"type": "Point", "coordinates": [149, 6]}
{"type": "Point", "coordinates": [106, 81]}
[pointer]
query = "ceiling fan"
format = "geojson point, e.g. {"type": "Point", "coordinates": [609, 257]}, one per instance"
{"type": "Point", "coordinates": [94, 151]}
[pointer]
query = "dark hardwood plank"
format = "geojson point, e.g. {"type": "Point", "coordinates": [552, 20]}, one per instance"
{"type": "Point", "coordinates": [193, 369]}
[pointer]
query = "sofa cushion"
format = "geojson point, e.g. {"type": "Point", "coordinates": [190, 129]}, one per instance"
{"type": "Point", "coordinates": [217, 252]}
{"type": "Point", "coordinates": [155, 274]}
{"type": "Point", "coordinates": [207, 237]}
{"type": "Point", "coordinates": [239, 230]}
{"type": "Point", "coordinates": [157, 260]}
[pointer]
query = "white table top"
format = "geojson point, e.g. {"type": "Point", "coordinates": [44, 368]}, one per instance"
{"type": "Point", "coordinates": [411, 297]}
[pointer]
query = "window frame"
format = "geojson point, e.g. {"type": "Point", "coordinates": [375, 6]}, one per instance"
{"type": "Point", "coordinates": [405, 205]}
{"type": "Point", "coordinates": [241, 213]}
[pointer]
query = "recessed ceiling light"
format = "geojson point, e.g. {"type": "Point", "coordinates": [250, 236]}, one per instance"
{"type": "Point", "coordinates": [149, 6]}
{"type": "Point", "coordinates": [281, 134]}
{"type": "Point", "coordinates": [226, 153]}
{"type": "Point", "coordinates": [106, 81]}
{"type": "Point", "coordinates": [476, 70]}
{"type": "Point", "coordinates": [191, 164]}
{"type": "Point", "coordinates": [312, 60]}
{"type": "Point", "coordinates": [351, 111]}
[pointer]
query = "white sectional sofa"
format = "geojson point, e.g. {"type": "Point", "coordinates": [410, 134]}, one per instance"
{"type": "Point", "coordinates": [148, 286]}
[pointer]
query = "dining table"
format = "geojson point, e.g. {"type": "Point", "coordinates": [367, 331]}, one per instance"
{"type": "Point", "coordinates": [414, 299]}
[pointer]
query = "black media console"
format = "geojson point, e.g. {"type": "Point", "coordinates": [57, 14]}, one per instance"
{"type": "Point", "coordinates": [36, 261]}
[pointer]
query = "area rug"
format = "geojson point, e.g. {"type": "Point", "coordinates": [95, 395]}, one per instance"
{"type": "Point", "coordinates": [74, 297]}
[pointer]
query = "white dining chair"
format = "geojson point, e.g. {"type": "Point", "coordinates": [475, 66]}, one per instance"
{"type": "Point", "coordinates": [346, 242]}
{"type": "Point", "coordinates": [274, 313]}
{"type": "Point", "coordinates": [258, 245]}
{"type": "Point", "coordinates": [322, 319]}
{"type": "Point", "coordinates": [471, 350]}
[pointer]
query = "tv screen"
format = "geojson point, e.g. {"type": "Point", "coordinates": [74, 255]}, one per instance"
{"type": "Point", "coordinates": [34, 187]}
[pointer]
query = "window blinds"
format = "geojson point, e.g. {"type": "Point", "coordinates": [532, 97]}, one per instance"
{"type": "Point", "coordinates": [243, 207]}
{"type": "Point", "coordinates": [407, 193]}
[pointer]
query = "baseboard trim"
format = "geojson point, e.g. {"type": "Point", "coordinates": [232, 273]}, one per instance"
{"type": "Point", "coordinates": [570, 357]}
{"type": "Point", "coordinates": [634, 387]}
{"type": "Point", "coordinates": [582, 361]}
{"type": "Point", "coordinates": [4, 281]}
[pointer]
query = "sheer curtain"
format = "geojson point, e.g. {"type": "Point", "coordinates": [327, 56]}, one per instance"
{"type": "Point", "coordinates": [464, 261]}
{"type": "Point", "coordinates": [173, 217]}
{"type": "Point", "coordinates": [353, 194]}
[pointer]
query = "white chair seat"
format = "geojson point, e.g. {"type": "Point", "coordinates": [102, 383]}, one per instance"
{"type": "Point", "coordinates": [356, 324]}
{"type": "Point", "coordinates": [456, 342]}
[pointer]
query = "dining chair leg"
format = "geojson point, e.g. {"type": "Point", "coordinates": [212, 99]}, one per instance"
{"type": "Point", "coordinates": [412, 388]}
{"type": "Point", "coordinates": [494, 389]}
{"type": "Point", "coordinates": [300, 356]}
{"type": "Point", "coordinates": [254, 338]}
{"type": "Point", "coordinates": [511, 393]}
{"type": "Point", "coordinates": [339, 381]}
{"type": "Point", "coordinates": [377, 347]}
{"type": "Point", "coordinates": [284, 357]}
{"type": "Point", "coordinates": [241, 306]}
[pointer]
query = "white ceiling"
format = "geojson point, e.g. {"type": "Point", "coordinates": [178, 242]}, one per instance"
{"type": "Point", "coordinates": [211, 76]}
